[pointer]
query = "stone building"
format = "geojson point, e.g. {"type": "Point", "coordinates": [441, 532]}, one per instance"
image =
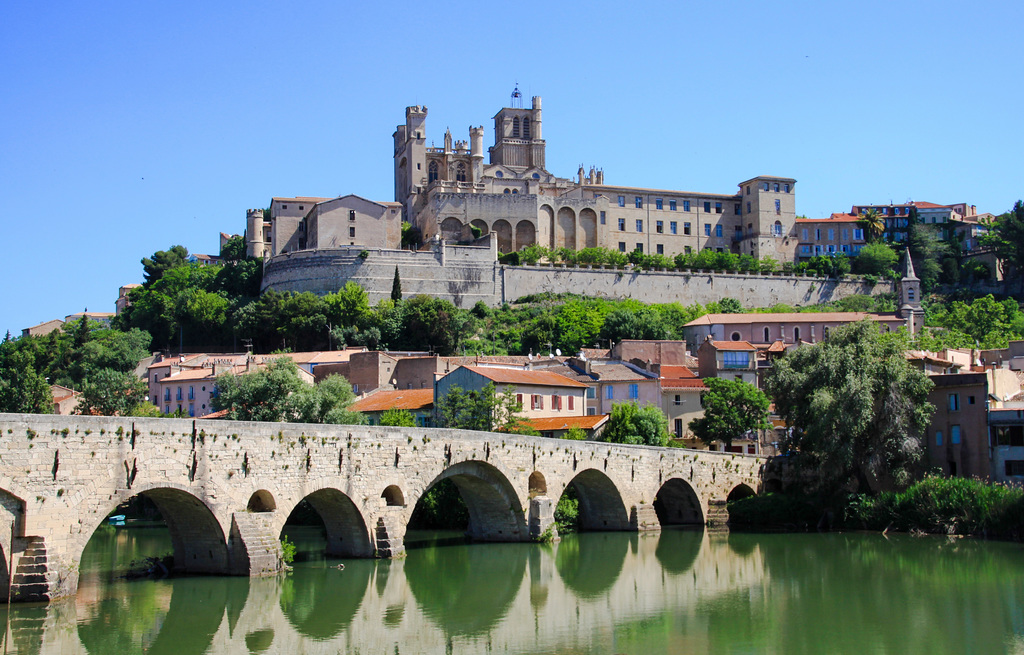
{"type": "Point", "coordinates": [445, 190]}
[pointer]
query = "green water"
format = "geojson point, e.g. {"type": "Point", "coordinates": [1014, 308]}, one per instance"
{"type": "Point", "coordinates": [677, 592]}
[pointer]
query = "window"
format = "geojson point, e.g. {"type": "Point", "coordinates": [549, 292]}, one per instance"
{"type": "Point", "coordinates": [687, 249]}
{"type": "Point", "coordinates": [767, 335]}
{"type": "Point", "coordinates": [778, 206]}
{"type": "Point", "coordinates": [431, 173]}
{"type": "Point", "coordinates": [608, 391]}
{"type": "Point", "coordinates": [191, 409]}
{"type": "Point", "coordinates": [634, 391]}
{"type": "Point", "coordinates": [526, 134]}
{"type": "Point", "coordinates": [622, 225]}
{"type": "Point", "coordinates": [351, 232]}
{"type": "Point", "coordinates": [679, 428]}
{"type": "Point", "coordinates": [686, 205]}
{"type": "Point", "coordinates": [659, 227]}
{"type": "Point", "coordinates": [954, 402]}
{"type": "Point", "coordinates": [954, 434]}
{"type": "Point", "coordinates": [590, 392]}
{"type": "Point", "coordinates": [858, 234]}
{"type": "Point", "coordinates": [785, 188]}
{"type": "Point", "coordinates": [764, 186]}
{"type": "Point", "coordinates": [519, 399]}
{"type": "Point", "coordinates": [537, 401]}
{"type": "Point", "coordinates": [167, 394]}
{"type": "Point", "coordinates": [673, 227]}
{"type": "Point", "coordinates": [572, 402]}
{"type": "Point", "coordinates": [686, 228]}
{"type": "Point", "coordinates": [738, 208]}
{"type": "Point", "coordinates": [718, 208]}
{"type": "Point", "coordinates": [748, 189]}
{"type": "Point", "coordinates": [734, 359]}
{"type": "Point", "coordinates": [556, 402]}
{"type": "Point", "coordinates": [748, 206]}
{"type": "Point", "coordinates": [776, 187]}
{"type": "Point", "coordinates": [638, 202]}
{"type": "Point", "coordinates": [602, 218]}
{"type": "Point", "coordinates": [499, 174]}
{"type": "Point", "coordinates": [657, 204]}
{"type": "Point", "coordinates": [796, 334]}
{"type": "Point", "coordinates": [817, 234]}
{"type": "Point", "coordinates": [831, 234]}
{"type": "Point", "coordinates": [777, 229]}
{"type": "Point", "coordinates": [639, 225]}
{"type": "Point", "coordinates": [460, 172]}
{"type": "Point", "coordinates": [803, 234]}
{"type": "Point", "coordinates": [536, 176]}
{"type": "Point", "coordinates": [622, 246]}
{"type": "Point", "coordinates": [678, 401]}
{"type": "Point", "coordinates": [805, 250]}
{"type": "Point", "coordinates": [718, 230]}
{"type": "Point", "coordinates": [191, 393]}
{"type": "Point", "coordinates": [938, 437]}
{"type": "Point", "coordinates": [672, 205]}
{"type": "Point", "coordinates": [639, 247]}
{"type": "Point", "coordinates": [660, 249]}
{"type": "Point", "coordinates": [622, 201]}
{"type": "Point", "coordinates": [1015, 467]}
{"type": "Point", "coordinates": [910, 295]}
{"type": "Point", "coordinates": [846, 234]}
{"type": "Point", "coordinates": [707, 229]}
{"type": "Point", "coordinates": [178, 394]}
{"type": "Point", "coordinates": [707, 207]}
{"type": "Point", "coordinates": [970, 400]}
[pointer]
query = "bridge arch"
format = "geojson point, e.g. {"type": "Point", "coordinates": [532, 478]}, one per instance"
{"type": "Point", "coordinates": [600, 503]}
{"type": "Point", "coordinates": [495, 509]}
{"type": "Point", "coordinates": [347, 535]}
{"type": "Point", "coordinates": [197, 537]}
{"type": "Point", "coordinates": [676, 503]}
{"type": "Point", "coordinates": [393, 496]}
{"type": "Point", "coordinates": [261, 501]}
{"type": "Point", "coordinates": [740, 491]}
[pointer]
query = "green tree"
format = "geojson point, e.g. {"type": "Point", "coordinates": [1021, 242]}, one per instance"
{"type": "Point", "coordinates": [326, 402]}
{"type": "Point", "coordinates": [112, 393]}
{"type": "Point", "coordinates": [873, 224]}
{"type": "Point", "coordinates": [856, 407]}
{"type": "Point", "coordinates": [579, 324]}
{"type": "Point", "coordinates": [630, 423]}
{"type": "Point", "coordinates": [575, 434]}
{"type": "Point", "coordinates": [162, 261]}
{"type": "Point", "coordinates": [23, 389]}
{"type": "Point", "coordinates": [730, 306]}
{"type": "Point", "coordinates": [1006, 238]}
{"type": "Point", "coordinates": [396, 287]}
{"type": "Point", "coordinates": [401, 418]}
{"type": "Point", "coordinates": [875, 258]}
{"type": "Point", "coordinates": [258, 396]}
{"type": "Point", "coordinates": [731, 409]}
{"type": "Point", "coordinates": [927, 250]}
{"type": "Point", "coordinates": [233, 249]}
{"type": "Point", "coordinates": [411, 236]}
{"type": "Point", "coordinates": [432, 323]}
{"type": "Point", "coordinates": [484, 410]}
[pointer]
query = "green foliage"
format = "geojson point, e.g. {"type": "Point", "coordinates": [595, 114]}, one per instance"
{"type": "Point", "coordinates": [731, 409]}
{"type": "Point", "coordinates": [1006, 238]}
{"type": "Point", "coordinates": [873, 224]}
{"type": "Point", "coordinates": [411, 236]}
{"type": "Point", "coordinates": [928, 253]}
{"type": "Point", "coordinates": [575, 434]}
{"type": "Point", "coordinates": [233, 249]}
{"type": "Point", "coordinates": [325, 402]}
{"type": "Point", "coordinates": [440, 508]}
{"type": "Point", "coordinates": [287, 550]}
{"type": "Point", "coordinates": [398, 418]}
{"type": "Point", "coordinates": [162, 261]}
{"type": "Point", "coordinates": [875, 259]}
{"type": "Point", "coordinates": [23, 389]}
{"type": "Point", "coordinates": [730, 306]}
{"type": "Point", "coordinates": [776, 510]}
{"type": "Point", "coordinates": [630, 423]}
{"type": "Point", "coordinates": [985, 321]}
{"type": "Point", "coordinates": [108, 392]}
{"type": "Point", "coordinates": [484, 410]}
{"type": "Point", "coordinates": [856, 406]}
{"type": "Point", "coordinates": [946, 506]}
{"type": "Point", "coordinates": [567, 511]}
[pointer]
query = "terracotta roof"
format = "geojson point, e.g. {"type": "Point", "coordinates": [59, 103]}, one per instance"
{"type": "Point", "coordinates": [221, 414]}
{"type": "Point", "coordinates": [616, 373]}
{"type": "Point", "coordinates": [567, 422]}
{"type": "Point", "coordinates": [194, 374]}
{"type": "Point", "coordinates": [676, 372]}
{"type": "Point", "coordinates": [691, 383]}
{"type": "Point", "coordinates": [519, 360]}
{"type": "Point", "coordinates": [929, 205]}
{"type": "Point", "coordinates": [733, 345]}
{"type": "Point", "coordinates": [777, 347]}
{"type": "Point", "coordinates": [789, 317]}
{"type": "Point", "coordinates": [408, 399]}
{"type": "Point", "coordinates": [517, 376]}
{"type": "Point", "coordinates": [596, 353]}
{"type": "Point", "coordinates": [835, 217]}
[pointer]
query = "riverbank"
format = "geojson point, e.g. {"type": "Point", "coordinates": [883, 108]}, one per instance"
{"type": "Point", "coordinates": [935, 505]}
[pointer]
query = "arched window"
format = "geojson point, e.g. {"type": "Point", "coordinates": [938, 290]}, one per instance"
{"type": "Point", "coordinates": [515, 127]}
{"type": "Point", "coordinates": [460, 172]}
{"type": "Point", "coordinates": [515, 191]}
{"type": "Point", "coordinates": [508, 191]}
{"type": "Point", "coordinates": [526, 128]}
{"type": "Point", "coordinates": [796, 334]}
{"type": "Point", "coordinates": [432, 172]}
{"type": "Point", "coordinates": [767, 335]}
{"type": "Point", "coordinates": [777, 229]}
{"type": "Point", "coordinates": [735, 336]}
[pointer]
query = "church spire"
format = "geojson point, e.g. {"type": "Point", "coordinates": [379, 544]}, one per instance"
{"type": "Point", "coordinates": [908, 266]}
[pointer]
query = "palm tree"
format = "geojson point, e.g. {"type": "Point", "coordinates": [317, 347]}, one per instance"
{"type": "Point", "coordinates": [873, 222]}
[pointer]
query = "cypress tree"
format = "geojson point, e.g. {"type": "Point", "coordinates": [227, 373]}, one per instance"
{"type": "Point", "coordinates": [396, 287]}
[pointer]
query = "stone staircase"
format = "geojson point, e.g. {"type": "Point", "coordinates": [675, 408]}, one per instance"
{"type": "Point", "coordinates": [29, 583]}
{"type": "Point", "coordinates": [387, 545]}
{"type": "Point", "coordinates": [718, 516]}
{"type": "Point", "coordinates": [263, 549]}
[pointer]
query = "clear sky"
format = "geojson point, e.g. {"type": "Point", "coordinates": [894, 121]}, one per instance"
{"type": "Point", "coordinates": [126, 128]}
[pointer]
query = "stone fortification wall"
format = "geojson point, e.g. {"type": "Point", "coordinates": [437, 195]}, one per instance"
{"type": "Point", "coordinates": [467, 274]}
{"type": "Point", "coordinates": [683, 287]}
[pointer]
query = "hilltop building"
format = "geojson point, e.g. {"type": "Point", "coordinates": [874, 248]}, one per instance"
{"type": "Point", "coordinates": [445, 190]}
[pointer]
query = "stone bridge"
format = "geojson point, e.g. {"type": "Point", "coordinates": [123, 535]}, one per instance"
{"type": "Point", "coordinates": [226, 488]}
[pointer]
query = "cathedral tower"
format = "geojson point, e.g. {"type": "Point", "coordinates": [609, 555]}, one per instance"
{"type": "Point", "coordinates": [517, 135]}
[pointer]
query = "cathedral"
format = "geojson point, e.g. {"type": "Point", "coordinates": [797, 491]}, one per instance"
{"type": "Point", "coordinates": [443, 191]}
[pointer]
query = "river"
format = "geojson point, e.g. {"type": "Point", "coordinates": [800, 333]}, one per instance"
{"type": "Point", "coordinates": [674, 592]}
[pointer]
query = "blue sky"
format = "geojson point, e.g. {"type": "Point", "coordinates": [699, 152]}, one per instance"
{"type": "Point", "coordinates": [126, 128]}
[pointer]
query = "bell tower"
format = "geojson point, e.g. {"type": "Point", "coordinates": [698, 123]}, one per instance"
{"type": "Point", "coordinates": [517, 135]}
{"type": "Point", "coordinates": [910, 296]}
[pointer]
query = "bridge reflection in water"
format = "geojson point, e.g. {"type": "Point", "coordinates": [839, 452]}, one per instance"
{"type": "Point", "coordinates": [678, 591]}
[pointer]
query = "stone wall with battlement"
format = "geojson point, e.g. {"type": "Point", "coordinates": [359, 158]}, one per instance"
{"type": "Point", "coordinates": [467, 274]}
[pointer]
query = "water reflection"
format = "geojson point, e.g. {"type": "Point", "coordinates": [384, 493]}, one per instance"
{"type": "Point", "coordinates": [682, 591]}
